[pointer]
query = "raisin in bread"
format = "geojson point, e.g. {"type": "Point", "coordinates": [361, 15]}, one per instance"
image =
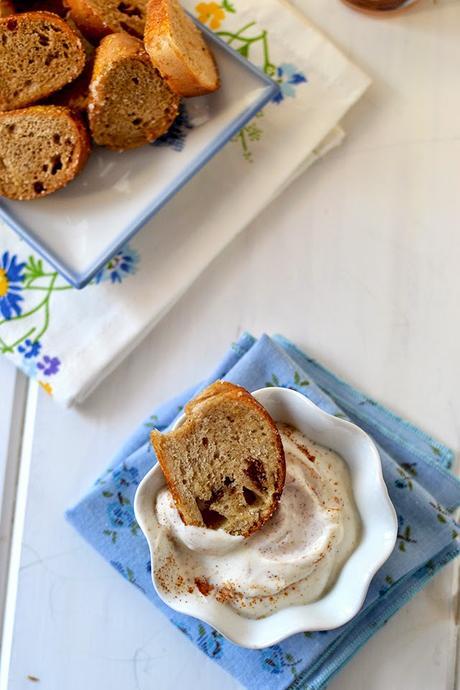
{"type": "Point", "coordinates": [225, 464]}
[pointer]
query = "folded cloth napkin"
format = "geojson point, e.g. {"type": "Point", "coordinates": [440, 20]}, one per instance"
{"type": "Point", "coordinates": [415, 468]}
{"type": "Point", "coordinates": [69, 340]}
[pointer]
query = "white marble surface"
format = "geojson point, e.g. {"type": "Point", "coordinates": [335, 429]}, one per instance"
{"type": "Point", "coordinates": [357, 262]}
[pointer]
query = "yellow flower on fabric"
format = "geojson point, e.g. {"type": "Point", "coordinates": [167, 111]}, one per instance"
{"type": "Point", "coordinates": [46, 387]}
{"type": "Point", "coordinates": [4, 283]}
{"type": "Point", "coordinates": [210, 12]}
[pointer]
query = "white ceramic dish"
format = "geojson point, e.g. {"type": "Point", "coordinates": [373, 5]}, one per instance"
{"type": "Point", "coordinates": [81, 227]}
{"type": "Point", "coordinates": [379, 530]}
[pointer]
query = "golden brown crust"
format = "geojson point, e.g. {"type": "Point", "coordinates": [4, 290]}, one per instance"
{"type": "Point", "coordinates": [44, 114]}
{"type": "Point", "coordinates": [232, 392]}
{"type": "Point", "coordinates": [90, 22]}
{"type": "Point", "coordinates": [157, 441]}
{"type": "Point", "coordinates": [113, 49]}
{"type": "Point", "coordinates": [43, 80]}
{"type": "Point", "coordinates": [116, 52]}
{"type": "Point", "coordinates": [167, 57]}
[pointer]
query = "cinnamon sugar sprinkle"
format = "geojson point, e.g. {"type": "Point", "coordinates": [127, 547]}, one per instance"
{"type": "Point", "coordinates": [203, 586]}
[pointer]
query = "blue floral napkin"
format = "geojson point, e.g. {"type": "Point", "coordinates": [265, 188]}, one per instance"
{"type": "Point", "coordinates": [416, 472]}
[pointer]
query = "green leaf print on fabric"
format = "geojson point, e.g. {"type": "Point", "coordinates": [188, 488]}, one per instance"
{"type": "Point", "coordinates": [274, 382]}
{"type": "Point", "coordinates": [251, 42]}
{"type": "Point", "coordinates": [28, 290]}
{"type": "Point", "coordinates": [405, 537]}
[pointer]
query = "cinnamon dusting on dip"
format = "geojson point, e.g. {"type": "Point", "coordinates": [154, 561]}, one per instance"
{"type": "Point", "coordinates": [227, 593]}
{"type": "Point", "coordinates": [305, 450]}
{"type": "Point", "coordinates": [203, 586]}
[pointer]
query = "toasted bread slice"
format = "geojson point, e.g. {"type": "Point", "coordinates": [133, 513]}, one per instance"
{"type": "Point", "coordinates": [178, 50]}
{"type": "Point", "coordinates": [225, 464]}
{"type": "Point", "coordinates": [39, 54]}
{"type": "Point", "coordinates": [129, 103]}
{"type": "Point", "coordinates": [6, 8]}
{"type": "Point", "coordinates": [42, 148]}
{"type": "Point", "coordinates": [98, 18]}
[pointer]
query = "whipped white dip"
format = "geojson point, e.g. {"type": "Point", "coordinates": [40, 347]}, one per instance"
{"type": "Point", "coordinates": [293, 559]}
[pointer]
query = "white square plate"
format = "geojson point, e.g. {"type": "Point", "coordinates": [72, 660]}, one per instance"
{"type": "Point", "coordinates": [79, 228]}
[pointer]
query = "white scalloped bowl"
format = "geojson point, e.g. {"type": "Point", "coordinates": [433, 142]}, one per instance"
{"type": "Point", "coordinates": [378, 537]}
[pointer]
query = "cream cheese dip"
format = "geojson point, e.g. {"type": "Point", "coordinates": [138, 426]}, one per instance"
{"type": "Point", "coordinates": [293, 559]}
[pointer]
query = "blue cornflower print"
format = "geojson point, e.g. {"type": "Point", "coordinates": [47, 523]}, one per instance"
{"type": "Point", "coordinates": [124, 263]}
{"type": "Point", "coordinates": [11, 279]}
{"type": "Point", "coordinates": [288, 78]}
{"type": "Point", "coordinates": [120, 515]}
{"type": "Point", "coordinates": [30, 348]}
{"type": "Point", "coordinates": [125, 476]}
{"type": "Point", "coordinates": [211, 643]}
{"type": "Point", "coordinates": [406, 472]}
{"type": "Point", "coordinates": [49, 365]}
{"type": "Point", "coordinates": [177, 133]}
{"type": "Point", "coordinates": [272, 659]}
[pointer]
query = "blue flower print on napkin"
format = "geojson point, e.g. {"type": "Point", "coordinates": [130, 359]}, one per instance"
{"type": "Point", "coordinates": [288, 78]}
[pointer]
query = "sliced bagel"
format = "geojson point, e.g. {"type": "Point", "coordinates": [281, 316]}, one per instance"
{"type": "Point", "coordinates": [39, 54]}
{"type": "Point", "coordinates": [178, 50]}
{"type": "Point", "coordinates": [225, 464]}
{"type": "Point", "coordinates": [129, 103]}
{"type": "Point", "coordinates": [42, 148]}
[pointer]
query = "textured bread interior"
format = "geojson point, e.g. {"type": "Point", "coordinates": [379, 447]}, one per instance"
{"type": "Point", "coordinates": [225, 465]}
{"type": "Point", "coordinates": [120, 15]}
{"type": "Point", "coordinates": [39, 54]}
{"type": "Point", "coordinates": [130, 103]}
{"type": "Point", "coordinates": [39, 151]}
{"type": "Point", "coordinates": [190, 44]}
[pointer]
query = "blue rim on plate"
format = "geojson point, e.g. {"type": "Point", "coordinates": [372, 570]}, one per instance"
{"type": "Point", "coordinates": [80, 279]}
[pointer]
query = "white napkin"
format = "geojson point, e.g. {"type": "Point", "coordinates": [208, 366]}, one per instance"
{"type": "Point", "coordinates": [70, 340]}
